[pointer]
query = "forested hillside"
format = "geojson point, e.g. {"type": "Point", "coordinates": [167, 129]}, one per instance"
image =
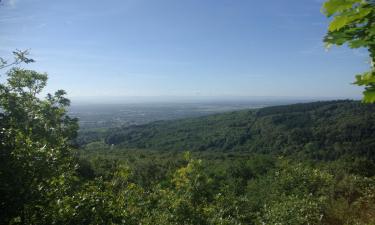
{"type": "Point", "coordinates": [46, 180]}
{"type": "Point", "coordinates": [319, 130]}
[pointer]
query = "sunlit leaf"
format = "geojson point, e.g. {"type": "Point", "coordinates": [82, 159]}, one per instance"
{"type": "Point", "coordinates": [333, 6]}
{"type": "Point", "coordinates": [346, 18]}
{"type": "Point", "coordinates": [369, 95]}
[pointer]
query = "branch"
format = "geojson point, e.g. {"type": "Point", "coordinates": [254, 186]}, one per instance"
{"type": "Point", "coordinates": [20, 56]}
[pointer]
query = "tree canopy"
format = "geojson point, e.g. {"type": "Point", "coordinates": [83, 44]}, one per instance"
{"type": "Point", "coordinates": [36, 160]}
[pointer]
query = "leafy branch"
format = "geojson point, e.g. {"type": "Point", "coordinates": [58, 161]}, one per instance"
{"type": "Point", "coordinates": [353, 23]}
{"type": "Point", "coordinates": [20, 56]}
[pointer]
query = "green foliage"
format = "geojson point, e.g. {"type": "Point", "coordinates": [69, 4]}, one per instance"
{"type": "Point", "coordinates": [130, 186]}
{"type": "Point", "coordinates": [35, 161]}
{"type": "Point", "coordinates": [293, 210]}
{"type": "Point", "coordinates": [238, 188]}
{"type": "Point", "coordinates": [353, 23]}
{"type": "Point", "coordinates": [186, 200]}
{"type": "Point", "coordinates": [291, 194]}
{"type": "Point", "coordinates": [352, 202]}
{"type": "Point", "coordinates": [318, 131]}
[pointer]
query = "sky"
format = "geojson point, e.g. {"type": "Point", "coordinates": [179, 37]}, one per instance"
{"type": "Point", "coordinates": [181, 48]}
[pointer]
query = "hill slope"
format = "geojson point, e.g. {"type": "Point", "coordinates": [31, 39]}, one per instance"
{"type": "Point", "coordinates": [319, 130]}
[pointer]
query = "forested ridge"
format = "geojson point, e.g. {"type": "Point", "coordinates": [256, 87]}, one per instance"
{"type": "Point", "coordinates": [320, 130]}
{"type": "Point", "coordinates": [308, 163]}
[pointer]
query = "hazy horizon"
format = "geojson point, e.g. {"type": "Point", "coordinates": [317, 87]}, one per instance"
{"type": "Point", "coordinates": [196, 99]}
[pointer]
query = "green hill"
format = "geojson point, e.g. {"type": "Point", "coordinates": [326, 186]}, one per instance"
{"type": "Point", "coordinates": [319, 130]}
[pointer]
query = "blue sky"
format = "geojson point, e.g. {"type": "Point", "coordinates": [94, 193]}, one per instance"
{"type": "Point", "coordinates": [181, 48]}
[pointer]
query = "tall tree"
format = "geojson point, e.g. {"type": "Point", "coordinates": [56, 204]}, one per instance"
{"type": "Point", "coordinates": [35, 153]}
